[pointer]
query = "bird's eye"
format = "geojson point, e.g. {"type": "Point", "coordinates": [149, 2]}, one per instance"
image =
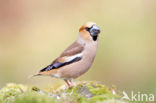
{"type": "Point", "coordinates": [87, 29]}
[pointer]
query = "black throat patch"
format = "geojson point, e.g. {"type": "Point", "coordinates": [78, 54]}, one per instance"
{"type": "Point", "coordinates": [94, 38]}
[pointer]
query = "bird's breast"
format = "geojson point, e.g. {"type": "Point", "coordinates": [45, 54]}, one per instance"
{"type": "Point", "coordinates": [76, 69]}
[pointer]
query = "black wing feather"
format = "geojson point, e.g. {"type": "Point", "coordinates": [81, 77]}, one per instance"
{"type": "Point", "coordinates": [57, 65]}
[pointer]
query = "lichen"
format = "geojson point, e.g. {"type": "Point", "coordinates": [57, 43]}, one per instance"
{"type": "Point", "coordinates": [83, 92]}
{"type": "Point", "coordinates": [11, 91]}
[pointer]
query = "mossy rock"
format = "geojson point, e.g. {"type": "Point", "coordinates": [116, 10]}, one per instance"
{"type": "Point", "coordinates": [11, 91]}
{"type": "Point", "coordinates": [89, 92]}
{"type": "Point", "coordinates": [83, 92]}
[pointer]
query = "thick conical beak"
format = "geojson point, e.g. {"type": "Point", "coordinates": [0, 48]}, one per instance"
{"type": "Point", "coordinates": [95, 30]}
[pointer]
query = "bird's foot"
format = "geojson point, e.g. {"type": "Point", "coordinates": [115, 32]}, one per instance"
{"type": "Point", "coordinates": [67, 82]}
{"type": "Point", "coordinates": [73, 84]}
{"type": "Point", "coordinates": [70, 83]}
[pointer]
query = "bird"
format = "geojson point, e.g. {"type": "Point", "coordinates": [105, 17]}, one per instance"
{"type": "Point", "coordinates": [77, 58]}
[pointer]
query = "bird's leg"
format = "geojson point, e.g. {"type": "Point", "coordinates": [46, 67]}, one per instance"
{"type": "Point", "coordinates": [67, 82]}
{"type": "Point", "coordinates": [72, 82]}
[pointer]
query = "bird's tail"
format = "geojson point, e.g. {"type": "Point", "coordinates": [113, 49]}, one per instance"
{"type": "Point", "coordinates": [34, 75]}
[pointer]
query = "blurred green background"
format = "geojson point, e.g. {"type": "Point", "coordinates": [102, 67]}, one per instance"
{"type": "Point", "coordinates": [35, 32]}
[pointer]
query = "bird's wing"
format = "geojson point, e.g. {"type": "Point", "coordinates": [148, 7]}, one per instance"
{"type": "Point", "coordinates": [72, 54]}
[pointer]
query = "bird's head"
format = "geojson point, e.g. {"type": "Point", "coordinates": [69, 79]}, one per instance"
{"type": "Point", "coordinates": [89, 31]}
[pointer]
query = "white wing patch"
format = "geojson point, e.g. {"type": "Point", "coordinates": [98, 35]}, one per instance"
{"type": "Point", "coordinates": [70, 58]}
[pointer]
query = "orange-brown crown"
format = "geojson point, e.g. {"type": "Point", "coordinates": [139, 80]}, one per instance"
{"type": "Point", "coordinates": [84, 34]}
{"type": "Point", "coordinates": [88, 25]}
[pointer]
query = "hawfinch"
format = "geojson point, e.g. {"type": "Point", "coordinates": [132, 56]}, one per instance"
{"type": "Point", "coordinates": [77, 58]}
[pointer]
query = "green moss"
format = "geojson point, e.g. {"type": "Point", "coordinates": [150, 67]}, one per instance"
{"type": "Point", "coordinates": [17, 93]}
{"type": "Point", "coordinates": [11, 91]}
{"type": "Point", "coordinates": [84, 92]}
{"type": "Point", "coordinates": [32, 97]}
{"type": "Point", "coordinates": [90, 92]}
